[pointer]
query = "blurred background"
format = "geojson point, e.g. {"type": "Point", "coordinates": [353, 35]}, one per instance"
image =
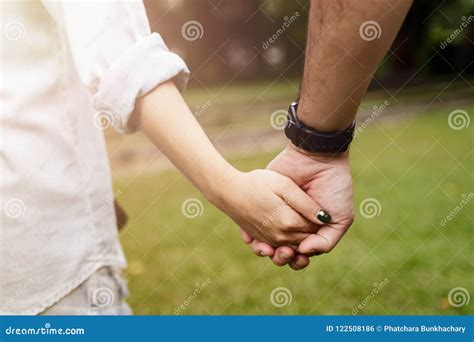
{"type": "Point", "coordinates": [234, 32]}
{"type": "Point", "coordinates": [410, 249]}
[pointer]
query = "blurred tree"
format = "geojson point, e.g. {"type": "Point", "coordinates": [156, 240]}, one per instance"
{"type": "Point", "coordinates": [453, 22]}
{"type": "Point", "coordinates": [255, 39]}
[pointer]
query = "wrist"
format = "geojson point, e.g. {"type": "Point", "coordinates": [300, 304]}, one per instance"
{"type": "Point", "coordinates": [323, 157]}
{"type": "Point", "coordinates": [308, 114]}
{"type": "Point", "coordinates": [217, 186]}
{"type": "Point", "coordinates": [313, 140]}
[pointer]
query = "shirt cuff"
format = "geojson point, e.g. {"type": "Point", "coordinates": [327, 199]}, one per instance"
{"type": "Point", "coordinates": [139, 70]}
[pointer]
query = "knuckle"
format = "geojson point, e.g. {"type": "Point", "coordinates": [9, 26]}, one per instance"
{"type": "Point", "coordinates": [288, 183]}
{"type": "Point", "coordinates": [287, 221]}
{"type": "Point", "coordinates": [280, 239]}
{"type": "Point", "coordinates": [291, 221]}
{"type": "Point", "coordinates": [285, 183]}
{"type": "Point", "coordinates": [302, 223]}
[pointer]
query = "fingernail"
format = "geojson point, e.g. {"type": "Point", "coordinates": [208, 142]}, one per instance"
{"type": "Point", "coordinates": [261, 253]}
{"type": "Point", "coordinates": [284, 256]}
{"type": "Point", "coordinates": [323, 216]}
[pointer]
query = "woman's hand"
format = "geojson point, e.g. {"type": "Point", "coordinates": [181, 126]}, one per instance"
{"type": "Point", "coordinates": [327, 180]}
{"type": "Point", "coordinates": [268, 206]}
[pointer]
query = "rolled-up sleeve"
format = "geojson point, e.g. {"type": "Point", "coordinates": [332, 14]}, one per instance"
{"type": "Point", "coordinates": [115, 54]}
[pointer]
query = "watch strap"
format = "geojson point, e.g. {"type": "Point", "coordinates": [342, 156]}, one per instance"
{"type": "Point", "coordinates": [312, 140]}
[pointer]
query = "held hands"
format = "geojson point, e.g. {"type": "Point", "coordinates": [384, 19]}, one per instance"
{"type": "Point", "coordinates": [276, 207]}
{"type": "Point", "coordinates": [325, 179]}
{"type": "Point", "coordinates": [270, 207]}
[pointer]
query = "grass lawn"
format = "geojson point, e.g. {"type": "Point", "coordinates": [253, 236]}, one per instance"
{"type": "Point", "coordinates": [417, 169]}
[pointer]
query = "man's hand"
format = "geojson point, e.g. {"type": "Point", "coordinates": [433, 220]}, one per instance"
{"type": "Point", "coordinates": [268, 206]}
{"type": "Point", "coordinates": [329, 97]}
{"type": "Point", "coordinates": [328, 181]}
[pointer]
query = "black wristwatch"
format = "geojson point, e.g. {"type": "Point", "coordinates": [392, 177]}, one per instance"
{"type": "Point", "coordinates": [312, 140]}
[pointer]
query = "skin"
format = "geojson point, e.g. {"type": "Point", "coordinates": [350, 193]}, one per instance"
{"type": "Point", "coordinates": [327, 180]}
{"type": "Point", "coordinates": [264, 203]}
{"type": "Point", "coordinates": [276, 207]}
{"type": "Point", "coordinates": [339, 66]}
{"type": "Point", "coordinates": [339, 63]}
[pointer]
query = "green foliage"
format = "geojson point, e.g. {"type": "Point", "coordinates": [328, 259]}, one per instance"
{"type": "Point", "coordinates": [449, 19]}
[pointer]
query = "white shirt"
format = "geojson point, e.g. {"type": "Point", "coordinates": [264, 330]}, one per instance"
{"type": "Point", "coordinates": [66, 69]}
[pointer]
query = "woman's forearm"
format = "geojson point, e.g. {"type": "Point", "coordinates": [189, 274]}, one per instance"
{"type": "Point", "coordinates": [265, 204]}
{"type": "Point", "coordinates": [167, 121]}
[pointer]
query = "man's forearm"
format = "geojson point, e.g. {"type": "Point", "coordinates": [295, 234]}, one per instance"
{"type": "Point", "coordinates": [342, 54]}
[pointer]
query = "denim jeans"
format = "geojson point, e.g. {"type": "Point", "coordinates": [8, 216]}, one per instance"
{"type": "Point", "coordinates": [103, 293]}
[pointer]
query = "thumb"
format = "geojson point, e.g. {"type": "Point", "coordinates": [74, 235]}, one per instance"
{"type": "Point", "coordinates": [304, 204]}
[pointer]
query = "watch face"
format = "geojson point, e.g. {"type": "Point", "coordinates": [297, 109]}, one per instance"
{"type": "Point", "coordinates": [291, 115]}
{"type": "Point", "coordinates": [294, 107]}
